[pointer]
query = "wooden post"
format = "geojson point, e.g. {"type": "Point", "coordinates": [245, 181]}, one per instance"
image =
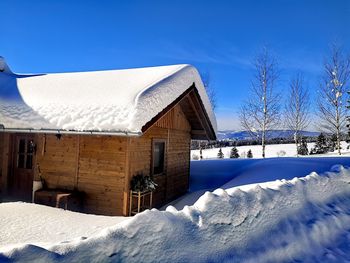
{"type": "Point", "coordinates": [130, 203]}
{"type": "Point", "coordinates": [150, 202]}
{"type": "Point", "coordinates": [5, 162]}
{"type": "Point", "coordinates": [139, 203]}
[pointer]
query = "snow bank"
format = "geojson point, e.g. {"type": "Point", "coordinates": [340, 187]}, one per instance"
{"type": "Point", "coordinates": [303, 219]}
{"type": "Point", "coordinates": [109, 101]}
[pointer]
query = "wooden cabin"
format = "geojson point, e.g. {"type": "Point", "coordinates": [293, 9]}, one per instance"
{"type": "Point", "coordinates": [93, 131]}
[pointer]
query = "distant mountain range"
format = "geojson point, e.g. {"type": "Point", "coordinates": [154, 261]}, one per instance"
{"type": "Point", "coordinates": [244, 135]}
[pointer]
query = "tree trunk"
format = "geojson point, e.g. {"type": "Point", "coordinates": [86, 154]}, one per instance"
{"type": "Point", "coordinates": [338, 128]}
{"type": "Point", "coordinates": [263, 143]}
{"type": "Point", "coordinates": [338, 141]}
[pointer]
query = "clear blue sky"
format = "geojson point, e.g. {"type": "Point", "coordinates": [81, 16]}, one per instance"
{"type": "Point", "coordinates": [219, 37]}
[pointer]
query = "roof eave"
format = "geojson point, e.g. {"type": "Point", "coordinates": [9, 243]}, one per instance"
{"type": "Point", "coordinates": [58, 131]}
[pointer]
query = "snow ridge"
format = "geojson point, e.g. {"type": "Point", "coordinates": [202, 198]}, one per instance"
{"type": "Point", "coordinates": [304, 219]}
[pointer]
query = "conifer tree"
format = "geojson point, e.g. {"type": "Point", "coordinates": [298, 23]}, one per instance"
{"type": "Point", "coordinates": [220, 154]}
{"type": "Point", "coordinates": [302, 147]}
{"type": "Point", "coordinates": [332, 143]}
{"type": "Point", "coordinates": [321, 145]}
{"type": "Point", "coordinates": [234, 153]}
{"type": "Point", "coordinates": [249, 154]}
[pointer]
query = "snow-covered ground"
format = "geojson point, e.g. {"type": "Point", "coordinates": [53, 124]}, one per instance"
{"type": "Point", "coordinates": [208, 175]}
{"type": "Point", "coordinates": [272, 150]}
{"type": "Point", "coordinates": [23, 223]}
{"type": "Point", "coordinates": [305, 219]}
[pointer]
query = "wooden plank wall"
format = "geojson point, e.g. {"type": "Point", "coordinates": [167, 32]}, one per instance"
{"type": "Point", "coordinates": [178, 165]}
{"type": "Point", "coordinates": [5, 162]}
{"type": "Point", "coordinates": [175, 129]}
{"type": "Point", "coordinates": [92, 164]}
{"type": "Point", "coordinates": [102, 173]}
{"type": "Point", "coordinates": [56, 159]}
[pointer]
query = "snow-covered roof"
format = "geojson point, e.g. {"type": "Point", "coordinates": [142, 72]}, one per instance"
{"type": "Point", "coordinates": [99, 101]}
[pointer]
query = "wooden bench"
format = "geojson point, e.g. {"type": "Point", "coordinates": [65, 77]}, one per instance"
{"type": "Point", "coordinates": [71, 200]}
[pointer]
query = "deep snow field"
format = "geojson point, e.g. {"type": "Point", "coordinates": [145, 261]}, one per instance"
{"type": "Point", "coordinates": [252, 218]}
{"type": "Point", "coordinates": [272, 150]}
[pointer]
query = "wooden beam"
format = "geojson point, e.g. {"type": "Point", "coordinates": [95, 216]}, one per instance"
{"type": "Point", "coordinates": [195, 108]}
{"type": "Point", "coordinates": [203, 114]}
{"type": "Point", "coordinates": [198, 132]}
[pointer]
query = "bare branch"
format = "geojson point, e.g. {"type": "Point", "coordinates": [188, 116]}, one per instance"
{"type": "Point", "coordinates": [210, 90]}
{"type": "Point", "coordinates": [297, 107]}
{"type": "Point", "coordinates": [332, 95]}
{"type": "Point", "coordinates": [261, 111]}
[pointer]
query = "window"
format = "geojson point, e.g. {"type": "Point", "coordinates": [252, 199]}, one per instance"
{"type": "Point", "coordinates": [25, 153]}
{"type": "Point", "coordinates": [158, 157]}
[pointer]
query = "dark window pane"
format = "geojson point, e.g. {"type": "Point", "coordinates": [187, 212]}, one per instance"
{"type": "Point", "coordinates": [21, 146]}
{"type": "Point", "coordinates": [158, 157]}
{"type": "Point", "coordinates": [30, 147]}
{"type": "Point", "coordinates": [29, 161]}
{"type": "Point", "coordinates": [20, 163]}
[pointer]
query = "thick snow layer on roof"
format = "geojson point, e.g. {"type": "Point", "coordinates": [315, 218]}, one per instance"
{"type": "Point", "coordinates": [107, 101]}
{"type": "Point", "coordinates": [300, 220]}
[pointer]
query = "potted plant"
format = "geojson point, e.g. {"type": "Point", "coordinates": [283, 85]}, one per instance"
{"type": "Point", "coordinates": [141, 183]}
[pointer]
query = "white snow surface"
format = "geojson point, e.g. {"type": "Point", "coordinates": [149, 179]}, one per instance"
{"type": "Point", "coordinates": [23, 223]}
{"type": "Point", "coordinates": [103, 101]}
{"type": "Point", "coordinates": [272, 150]}
{"type": "Point", "coordinates": [300, 220]}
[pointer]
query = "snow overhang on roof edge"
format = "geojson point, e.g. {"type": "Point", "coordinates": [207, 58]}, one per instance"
{"type": "Point", "coordinates": [177, 83]}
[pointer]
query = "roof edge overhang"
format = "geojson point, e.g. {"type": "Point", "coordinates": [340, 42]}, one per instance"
{"type": "Point", "coordinates": [208, 132]}
{"type": "Point", "coordinates": [53, 131]}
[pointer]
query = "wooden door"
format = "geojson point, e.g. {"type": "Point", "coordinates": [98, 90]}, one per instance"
{"type": "Point", "coordinates": [23, 166]}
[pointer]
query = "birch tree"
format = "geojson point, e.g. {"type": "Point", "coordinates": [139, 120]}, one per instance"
{"type": "Point", "coordinates": [261, 111]}
{"type": "Point", "coordinates": [297, 108]}
{"type": "Point", "coordinates": [331, 99]}
{"type": "Point", "coordinates": [211, 92]}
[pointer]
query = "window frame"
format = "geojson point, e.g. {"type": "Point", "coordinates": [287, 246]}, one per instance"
{"type": "Point", "coordinates": [25, 154]}
{"type": "Point", "coordinates": [154, 141]}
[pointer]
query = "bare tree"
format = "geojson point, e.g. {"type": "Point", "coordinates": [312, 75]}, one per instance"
{"type": "Point", "coordinates": [297, 107]}
{"type": "Point", "coordinates": [261, 111]}
{"type": "Point", "coordinates": [331, 99]}
{"type": "Point", "coordinates": [210, 90]}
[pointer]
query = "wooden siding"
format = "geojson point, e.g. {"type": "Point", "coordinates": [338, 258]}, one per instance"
{"type": "Point", "coordinates": [5, 161]}
{"type": "Point", "coordinates": [174, 128]}
{"type": "Point", "coordinates": [56, 159]}
{"type": "Point", "coordinates": [102, 173]}
{"type": "Point", "coordinates": [92, 164]}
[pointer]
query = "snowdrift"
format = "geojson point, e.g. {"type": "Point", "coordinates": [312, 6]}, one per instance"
{"type": "Point", "coordinates": [304, 219]}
